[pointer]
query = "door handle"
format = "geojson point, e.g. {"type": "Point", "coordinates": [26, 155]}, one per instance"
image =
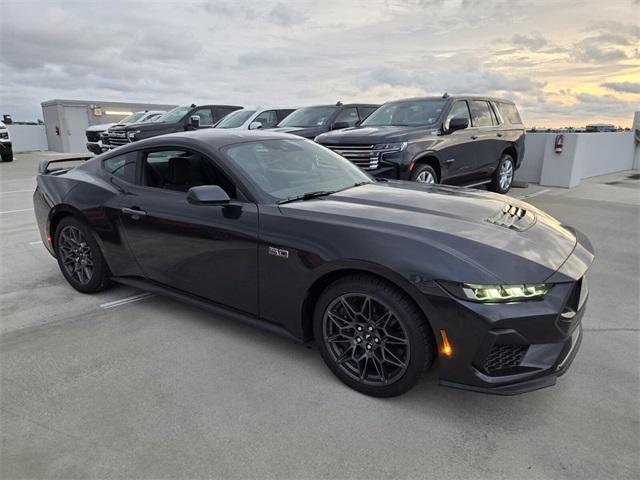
{"type": "Point", "coordinates": [474, 137]}
{"type": "Point", "coordinates": [134, 212]}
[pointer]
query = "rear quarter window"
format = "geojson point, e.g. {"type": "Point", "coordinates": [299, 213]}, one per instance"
{"type": "Point", "coordinates": [122, 166]}
{"type": "Point", "coordinates": [509, 112]}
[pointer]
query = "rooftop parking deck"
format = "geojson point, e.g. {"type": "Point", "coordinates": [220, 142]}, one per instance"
{"type": "Point", "coordinates": [122, 384]}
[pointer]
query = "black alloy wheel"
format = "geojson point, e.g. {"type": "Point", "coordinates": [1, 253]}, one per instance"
{"type": "Point", "coordinates": [372, 336]}
{"type": "Point", "coordinates": [79, 257]}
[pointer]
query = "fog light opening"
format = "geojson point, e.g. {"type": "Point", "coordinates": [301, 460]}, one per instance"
{"type": "Point", "coordinates": [446, 349]}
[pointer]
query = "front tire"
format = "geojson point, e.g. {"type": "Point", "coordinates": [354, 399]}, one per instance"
{"type": "Point", "coordinates": [424, 174]}
{"type": "Point", "coordinates": [503, 176]}
{"type": "Point", "coordinates": [79, 257]}
{"type": "Point", "coordinates": [7, 156]}
{"type": "Point", "coordinates": [371, 336]}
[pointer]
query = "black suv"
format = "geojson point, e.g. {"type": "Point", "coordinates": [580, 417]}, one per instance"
{"type": "Point", "coordinates": [459, 140]}
{"type": "Point", "coordinates": [309, 122]}
{"type": "Point", "coordinates": [177, 120]}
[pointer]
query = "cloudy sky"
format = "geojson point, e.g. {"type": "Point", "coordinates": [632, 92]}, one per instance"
{"type": "Point", "coordinates": [566, 62]}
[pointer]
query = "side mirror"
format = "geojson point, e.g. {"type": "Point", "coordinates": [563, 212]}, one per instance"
{"type": "Point", "coordinates": [207, 195]}
{"type": "Point", "coordinates": [194, 121]}
{"type": "Point", "coordinates": [255, 125]}
{"type": "Point", "coordinates": [340, 125]}
{"type": "Point", "coordinates": [458, 123]}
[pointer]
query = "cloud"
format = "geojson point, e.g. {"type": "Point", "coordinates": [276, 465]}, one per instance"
{"type": "Point", "coordinates": [626, 87]}
{"type": "Point", "coordinates": [533, 42]}
{"type": "Point", "coordinates": [593, 53]}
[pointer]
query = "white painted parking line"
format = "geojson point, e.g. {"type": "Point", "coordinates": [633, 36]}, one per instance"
{"type": "Point", "coordinates": [39, 242]}
{"type": "Point", "coordinates": [535, 194]}
{"type": "Point", "coordinates": [17, 211]}
{"type": "Point", "coordinates": [124, 301]}
{"type": "Point", "coordinates": [16, 191]}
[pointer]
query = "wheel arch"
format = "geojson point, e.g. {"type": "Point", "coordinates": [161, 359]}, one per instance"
{"type": "Point", "coordinates": [431, 159]}
{"type": "Point", "coordinates": [511, 150]}
{"type": "Point", "coordinates": [335, 273]}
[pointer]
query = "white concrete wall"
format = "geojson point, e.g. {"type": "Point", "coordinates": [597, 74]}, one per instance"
{"type": "Point", "coordinates": [531, 167]}
{"type": "Point", "coordinates": [26, 138]}
{"type": "Point", "coordinates": [600, 153]}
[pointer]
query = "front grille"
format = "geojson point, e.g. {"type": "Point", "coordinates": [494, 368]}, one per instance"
{"type": "Point", "coordinates": [364, 156]}
{"type": "Point", "coordinates": [118, 138]}
{"type": "Point", "coordinates": [502, 357]}
{"type": "Point", "coordinates": [93, 136]}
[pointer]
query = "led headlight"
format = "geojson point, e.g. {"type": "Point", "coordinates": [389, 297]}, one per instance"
{"type": "Point", "coordinates": [393, 147]}
{"type": "Point", "coordinates": [132, 134]}
{"type": "Point", "coordinates": [498, 293]}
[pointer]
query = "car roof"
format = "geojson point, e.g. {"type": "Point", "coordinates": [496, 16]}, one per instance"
{"type": "Point", "coordinates": [345, 105]}
{"type": "Point", "coordinates": [452, 97]}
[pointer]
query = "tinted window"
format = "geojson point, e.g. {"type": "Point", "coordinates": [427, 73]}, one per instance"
{"type": "Point", "coordinates": [268, 119]}
{"type": "Point", "coordinates": [459, 109]}
{"type": "Point", "coordinates": [122, 166]}
{"type": "Point", "coordinates": [509, 112]}
{"type": "Point", "coordinates": [221, 112]}
{"type": "Point", "coordinates": [366, 111]}
{"type": "Point", "coordinates": [308, 117]}
{"type": "Point", "coordinates": [179, 170]}
{"type": "Point", "coordinates": [288, 168]}
{"type": "Point", "coordinates": [410, 113]}
{"type": "Point", "coordinates": [206, 118]}
{"type": "Point", "coordinates": [480, 113]}
{"type": "Point", "coordinates": [282, 114]}
{"type": "Point", "coordinates": [348, 115]}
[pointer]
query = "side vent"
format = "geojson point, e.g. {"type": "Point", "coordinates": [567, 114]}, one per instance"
{"type": "Point", "coordinates": [514, 218]}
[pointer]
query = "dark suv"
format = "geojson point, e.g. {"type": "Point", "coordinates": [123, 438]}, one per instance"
{"type": "Point", "coordinates": [309, 122]}
{"type": "Point", "coordinates": [177, 120]}
{"type": "Point", "coordinates": [459, 140]}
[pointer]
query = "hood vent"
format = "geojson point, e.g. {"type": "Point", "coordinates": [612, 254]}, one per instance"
{"type": "Point", "coordinates": [514, 218]}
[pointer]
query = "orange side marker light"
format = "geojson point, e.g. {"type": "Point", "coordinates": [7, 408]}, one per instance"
{"type": "Point", "coordinates": [446, 350]}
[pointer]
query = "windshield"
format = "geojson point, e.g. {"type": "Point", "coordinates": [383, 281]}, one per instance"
{"type": "Point", "coordinates": [308, 117]}
{"type": "Point", "coordinates": [174, 115]}
{"type": "Point", "coordinates": [235, 119]}
{"type": "Point", "coordinates": [289, 168]}
{"type": "Point", "coordinates": [416, 113]}
{"type": "Point", "coordinates": [134, 117]}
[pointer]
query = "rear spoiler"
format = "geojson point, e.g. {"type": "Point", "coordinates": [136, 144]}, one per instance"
{"type": "Point", "coordinates": [43, 166]}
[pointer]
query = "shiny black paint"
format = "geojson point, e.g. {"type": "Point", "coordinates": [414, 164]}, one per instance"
{"type": "Point", "coordinates": [218, 256]}
{"type": "Point", "coordinates": [459, 157]}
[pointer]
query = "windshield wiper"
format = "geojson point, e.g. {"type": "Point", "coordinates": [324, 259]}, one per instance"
{"type": "Point", "coordinates": [307, 196]}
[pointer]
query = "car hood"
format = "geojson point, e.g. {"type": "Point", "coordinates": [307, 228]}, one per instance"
{"type": "Point", "coordinates": [372, 135]}
{"type": "Point", "coordinates": [103, 127]}
{"type": "Point", "coordinates": [500, 239]}
{"type": "Point", "coordinates": [307, 132]}
{"type": "Point", "coordinates": [144, 126]}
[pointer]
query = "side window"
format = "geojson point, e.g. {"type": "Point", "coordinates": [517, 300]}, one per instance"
{"type": "Point", "coordinates": [122, 166]}
{"type": "Point", "coordinates": [494, 115]}
{"type": "Point", "coordinates": [268, 119]}
{"type": "Point", "coordinates": [459, 109]}
{"type": "Point", "coordinates": [206, 119]}
{"type": "Point", "coordinates": [366, 111]}
{"type": "Point", "coordinates": [509, 112]}
{"type": "Point", "coordinates": [348, 115]}
{"type": "Point", "coordinates": [179, 170]}
{"type": "Point", "coordinates": [221, 112]}
{"type": "Point", "coordinates": [282, 114]}
{"type": "Point", "coordinates": [480, 113]}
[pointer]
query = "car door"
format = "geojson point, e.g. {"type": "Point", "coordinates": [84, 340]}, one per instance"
{"type": "Point", "coordinates": [485, 133]}
{"type": "Point", "coordinates": [205, 250]}
{"type": "Point", "coordinates": [457, 151]}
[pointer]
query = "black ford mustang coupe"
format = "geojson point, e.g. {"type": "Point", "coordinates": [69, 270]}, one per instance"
{"type": "Point", "coordinates": [387, 276]}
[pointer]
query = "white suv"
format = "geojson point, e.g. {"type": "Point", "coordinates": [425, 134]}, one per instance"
{"type": "Point", "coordinates": [252, 118]}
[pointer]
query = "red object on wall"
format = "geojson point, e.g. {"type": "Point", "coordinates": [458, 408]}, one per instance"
{"type": "Point", "coordinates": [559, 145]}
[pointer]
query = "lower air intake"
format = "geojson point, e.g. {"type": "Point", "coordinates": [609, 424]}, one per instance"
{"type": "Point", "coordinates": [502, 357]}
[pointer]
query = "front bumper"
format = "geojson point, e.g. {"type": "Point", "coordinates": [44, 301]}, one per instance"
{"type": "Point", "coordinates": [509, 349]}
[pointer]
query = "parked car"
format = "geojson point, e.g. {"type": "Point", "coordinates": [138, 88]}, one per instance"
{"type": "Point", "coordinates": [309, 122]}
{"type": "Point", "coordinates": [282, 233]}
{"type": "Point", "coordinates": [457, 140]}
{"type": "Point", "coordinates": [6, 149]}
{"type": "Point", "coordinates": [179, 119]}
{"type": "Point", "coordinates": [94, 132]}
{"type": "Point", "coordinates": [253, 118]}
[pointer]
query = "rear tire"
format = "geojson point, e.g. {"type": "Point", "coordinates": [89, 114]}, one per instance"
{"type": "Point", "coordinates": [372, 336]}
{"type": "Point", "coordinates": [502, 178]}
{"type": "Point", "coordinates": [79, 257]}
{"type": "Point", "coordinates": [423, 173]}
